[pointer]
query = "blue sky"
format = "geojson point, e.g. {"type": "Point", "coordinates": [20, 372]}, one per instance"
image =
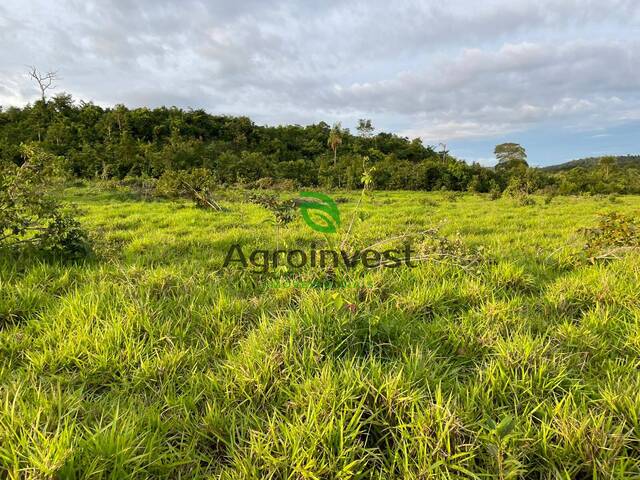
{"type": "Point", "coordinates": [549, 146]}
{"type": "Point", "coordinates": [560, 77]}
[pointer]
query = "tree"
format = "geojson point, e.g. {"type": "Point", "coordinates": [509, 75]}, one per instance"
{"type": "Point", "coordinates": [335, 140]}
{"type": "Point", "coordinates": [607, 164]}
{"type": "Point", "coordinates": [444, 152]}
{"type": "Point", "coordinates": [511, 155]}
{"type": "Point", "coordinates": [365, 128]}
{"type": "Point", "coordinates": [45, 81]}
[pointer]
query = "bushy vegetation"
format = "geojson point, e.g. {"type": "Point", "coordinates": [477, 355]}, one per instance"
{"type": "Point", "coordinates": [615, 234]}
{"type": "Point", "coordinates": [30, 217]}
{"type": "Point", "coordinates": [119, 143]}
{"type": "Point", "coordinates": [506, 354]}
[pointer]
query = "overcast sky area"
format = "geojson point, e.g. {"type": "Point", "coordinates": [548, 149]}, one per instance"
{"type": "Point", "coordinates": [562, 77]}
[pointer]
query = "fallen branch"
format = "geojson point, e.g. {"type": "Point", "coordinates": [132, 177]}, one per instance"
{"type": "Point", "coordinates": [204, 199]}
{"type": "Point", "coordinates": [615, 253]}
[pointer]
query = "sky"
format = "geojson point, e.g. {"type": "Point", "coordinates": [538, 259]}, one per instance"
{"type": "Point", "coordinates": [561, 77]}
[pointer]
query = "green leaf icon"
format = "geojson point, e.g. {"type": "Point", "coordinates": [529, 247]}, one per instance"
{"type": "Point", "coordinates": [325, 209]}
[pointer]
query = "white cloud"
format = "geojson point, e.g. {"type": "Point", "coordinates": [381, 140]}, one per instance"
{"type": "Point", "coordinates": [460, 70]}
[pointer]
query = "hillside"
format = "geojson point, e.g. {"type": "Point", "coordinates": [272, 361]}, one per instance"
{"type": "Point", "coordinates": [622, 161]}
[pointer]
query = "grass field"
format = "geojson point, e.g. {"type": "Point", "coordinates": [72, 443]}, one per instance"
{"type": "Point", "coordinates": [151, 360]}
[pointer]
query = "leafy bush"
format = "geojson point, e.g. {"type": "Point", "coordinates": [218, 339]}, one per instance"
{"type": "Point", "coordinates": [520, 189]}
{"type": "Point", "coordinates": [29, 216]}
{"type": "Point", "coordinates": [615, 233]}
{"type": "Point", "coordinates": [526, 200]}
{"type": "Point", "coordinates": [283, 210]}
{"type": "Point", "coordinates": [495, 192]}
{"type": "Point", "coordinates": [452, 196]}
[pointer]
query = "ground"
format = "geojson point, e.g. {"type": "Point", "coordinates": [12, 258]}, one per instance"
{"type": "Point", "coordinates": [506, 354]}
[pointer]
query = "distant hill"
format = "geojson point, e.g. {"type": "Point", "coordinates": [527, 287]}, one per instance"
{"type": "Point", "coordinates": [624, 161]}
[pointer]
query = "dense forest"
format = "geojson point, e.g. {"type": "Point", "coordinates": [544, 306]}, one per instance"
{"type": "Point", "coordinates": [118, 142]}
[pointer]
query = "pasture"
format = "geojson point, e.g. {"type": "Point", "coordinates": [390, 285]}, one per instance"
{"type": "Point", "coordinates": [504, 352]}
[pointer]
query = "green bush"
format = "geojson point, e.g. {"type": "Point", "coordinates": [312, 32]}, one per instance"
{"type": "Point", "coordinates": [615, 233]}
{"type": "Point", "coordinates": [30, 218]}
{"type": "Point", "coordinates": [494, 191]}
{"type": "Point", "coordinates": [283, 210]}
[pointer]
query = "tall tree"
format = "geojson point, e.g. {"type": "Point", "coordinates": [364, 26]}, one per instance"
{"type": "Point", "coordinates": [365, 128]}
{"type": "Point", "coordinates": [607, 164]}
{"type": "Point", "coordinates": [335, 140]}
{"type": "Point", "coordinates": [511, 155]}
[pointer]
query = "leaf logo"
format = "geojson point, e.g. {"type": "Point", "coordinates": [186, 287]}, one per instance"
{"type": "Point", "coordinates": [325, 210]}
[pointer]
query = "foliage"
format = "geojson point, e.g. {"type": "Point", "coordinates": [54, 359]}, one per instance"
{"type": "Point", "coordinates": [119, 142]}
{"type": "Point", "coordinates": [29, 215]}
{"type": "Point", "coordinates": [616, 233]}
{"type": "Point", "coordinates": [433, 246]}
{"type": "Point", "coordinates": [621, 161]}
{"type": "Point", "coordinates": [365, 128]}
{"type": "Point", "coordinates": [495, 192]}
{"type": "Point", "coordinates": [283, 210]}
{"type": "Point", "coordinates": [521, 187]}
{"type": "Point", "coordinates": [605, 175]}
{"type": "Point", "coordinates": [511, 156]}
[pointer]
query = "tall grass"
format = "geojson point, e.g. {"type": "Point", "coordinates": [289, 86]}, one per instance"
{"type": "Point", "coordinates": [152, 361]}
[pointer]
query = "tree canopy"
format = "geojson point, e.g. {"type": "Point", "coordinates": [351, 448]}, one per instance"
{"type": "Point", "coordinates": [510, 156]}
{"type": "Point", "coordinates": [116, 142]}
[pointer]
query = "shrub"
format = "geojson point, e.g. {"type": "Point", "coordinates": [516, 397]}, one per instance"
{"type": "Point", "coordinates": [526, 200]}
{"type": "Point", "coordinates": [452, 196]}
{"type": "Point", "coordinates": [615, 233]}
{"type": "Point", "coordinates": [283, 210]}
{"type": "Point", "coordinates": [550, 193]}
{"type": "Point", "coordinates": [30, 218]}
{"type": "Point", "coordinates": [494, 191]}
{"type": "Point", "coordinates": [195, 184]}
{"type": "Point", "coordinates": [434, 246]}
{"type": "Point", "coordinates": [520, 189]}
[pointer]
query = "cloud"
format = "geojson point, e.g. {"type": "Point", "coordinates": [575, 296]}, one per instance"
{"type": "Point", "coordinates": [484, 92]}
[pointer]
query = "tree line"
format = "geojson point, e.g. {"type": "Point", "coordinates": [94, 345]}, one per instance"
{"type": "Point", "coordinates": [119, 142]}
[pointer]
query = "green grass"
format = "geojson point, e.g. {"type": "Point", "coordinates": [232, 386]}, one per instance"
{"type": "Point", "coordinates": [153, 361]}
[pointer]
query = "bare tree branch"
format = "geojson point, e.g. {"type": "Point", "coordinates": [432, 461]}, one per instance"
{"type": "Point", "coordinates": [45, 81]}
